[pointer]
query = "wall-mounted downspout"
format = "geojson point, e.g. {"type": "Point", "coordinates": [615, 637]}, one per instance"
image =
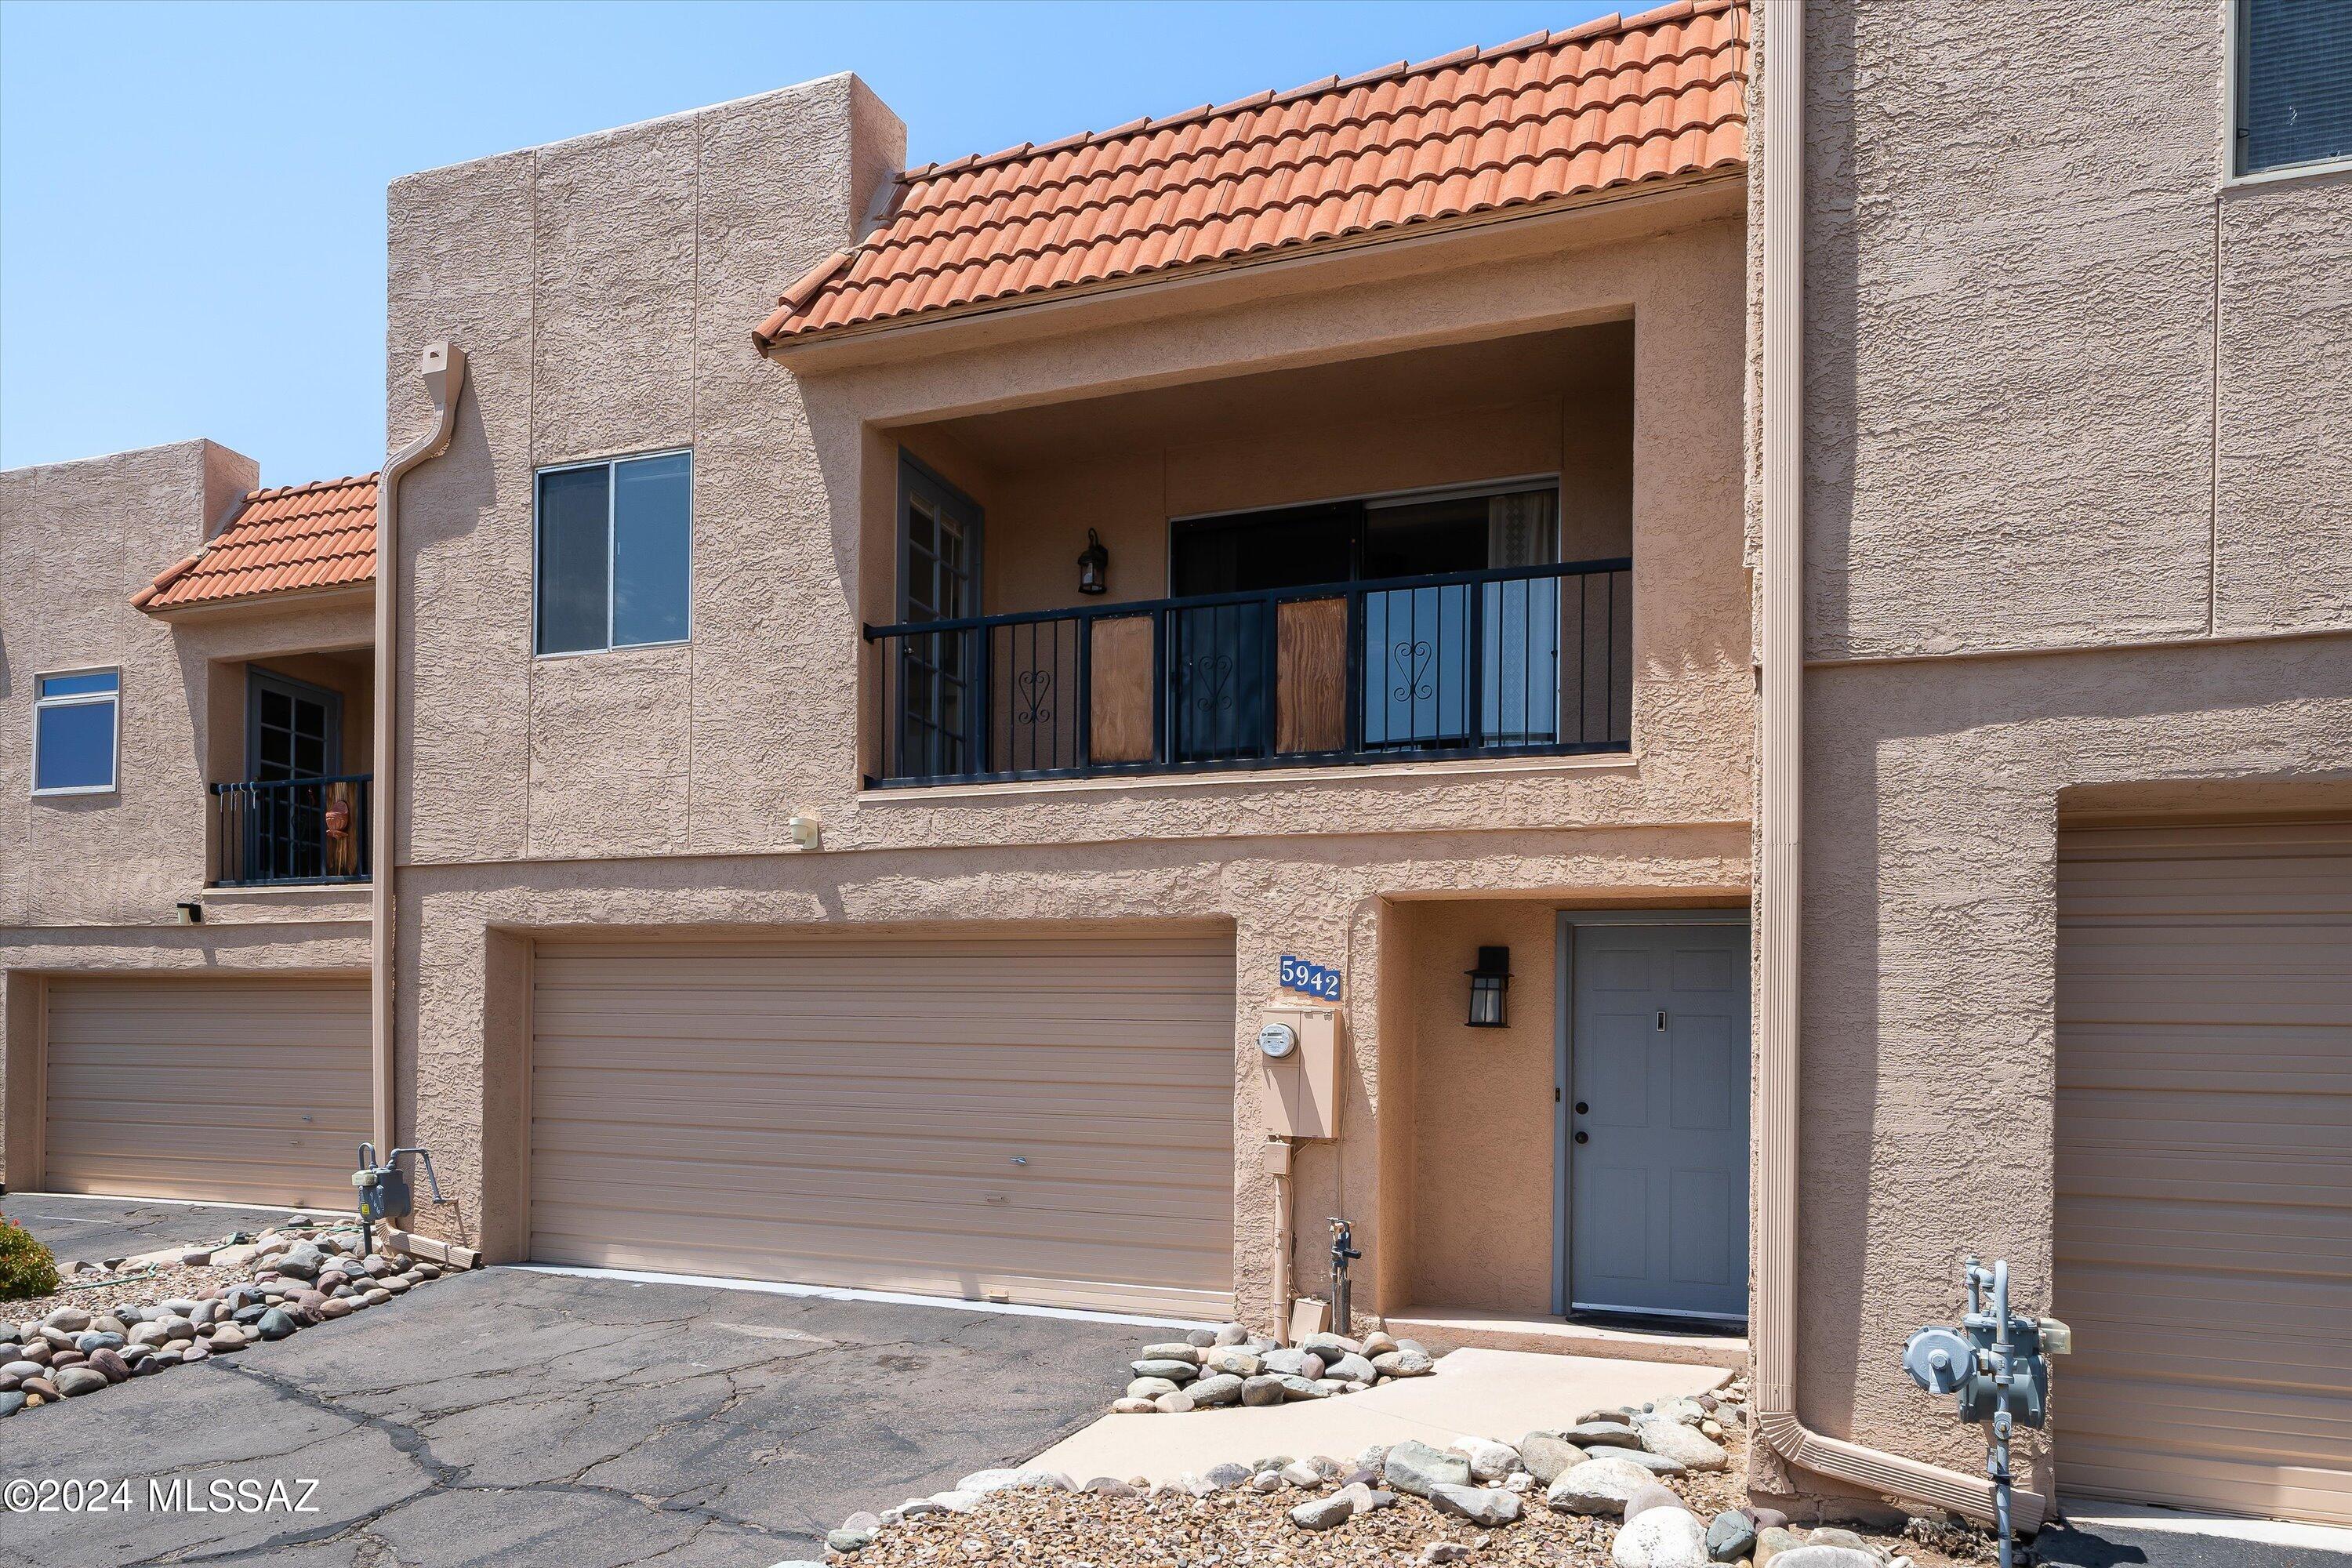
{"type": "Point", "coordinates": [1781, 907]}
{"type": "Point", "coordinates": [443, 369]}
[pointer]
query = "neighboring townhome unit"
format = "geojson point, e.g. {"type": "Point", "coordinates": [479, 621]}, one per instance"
{"type": "Point", "coordinates": [183, 907]}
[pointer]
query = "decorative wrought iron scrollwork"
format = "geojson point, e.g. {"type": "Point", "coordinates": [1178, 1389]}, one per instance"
{"type": "Point", "coordinates": [1209, 681]}
{"type": "Point", "coordinates": [1414, 656]}
{"type": "Point", "coordinates": [1031, 688]}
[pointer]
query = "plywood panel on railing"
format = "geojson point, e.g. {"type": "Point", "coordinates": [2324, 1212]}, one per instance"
{"type": "Point", "coordinates": [1311, 675]}
{"type": "Point", "coordinates": [1121, 673]}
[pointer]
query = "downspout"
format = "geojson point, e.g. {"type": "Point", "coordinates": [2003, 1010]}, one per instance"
{"type": "Point", "coordinates": [1780, 896]}
{"type": "Point", "coordinates": [443, 369]}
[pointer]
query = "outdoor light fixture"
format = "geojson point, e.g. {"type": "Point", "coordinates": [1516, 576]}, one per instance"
{"type": "Point", "coordinates": [1488, 983]}
{"type": "Point", "coordinates": [1094, 564]}
{"type": "Point", "coordinates": [192, 914]}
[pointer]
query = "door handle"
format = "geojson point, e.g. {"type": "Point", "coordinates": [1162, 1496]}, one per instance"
{"type": "Point", "coordinates": [1584, 1137]}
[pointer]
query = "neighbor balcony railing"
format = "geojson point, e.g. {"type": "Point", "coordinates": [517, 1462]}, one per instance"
{"type": "Point", "coordinates": [291, 831]}
{"type": "Point", "coordinates": [1517, 661]}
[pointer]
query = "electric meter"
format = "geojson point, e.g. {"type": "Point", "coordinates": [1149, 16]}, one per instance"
{"type": "Point", "coordinates": [1277, 1040]}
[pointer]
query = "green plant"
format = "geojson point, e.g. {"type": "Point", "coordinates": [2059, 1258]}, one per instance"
{"type": "Point", "coordinates": [27, 1268]}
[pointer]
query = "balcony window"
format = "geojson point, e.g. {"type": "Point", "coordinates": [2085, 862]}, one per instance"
{"type": "Point", "coordinates": [615, 545]}
{"type": "Point", "coordinates": [76, 731]}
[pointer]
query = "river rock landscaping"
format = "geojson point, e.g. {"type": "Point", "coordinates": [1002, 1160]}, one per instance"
{"type": "Point", "coordinates": [1209, 1368]}
{"type": "Point", "coordinates": [120, 1318]}
{"type": "Point", "coordinates": [1649, 1487]}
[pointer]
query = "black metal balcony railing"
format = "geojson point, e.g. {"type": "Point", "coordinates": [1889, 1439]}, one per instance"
{"type": "Point", "coordinates": [1522, 660]}
{"type": "Point", "coordinates": [291, 831]}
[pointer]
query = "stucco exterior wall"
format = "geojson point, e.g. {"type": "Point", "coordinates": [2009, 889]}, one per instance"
{"type": "Point", "coordinates": [2068, 392]}
{"type": "Point", "coordinates": [91, 881]}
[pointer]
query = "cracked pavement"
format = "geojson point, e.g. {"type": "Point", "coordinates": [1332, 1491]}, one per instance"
{"type": "Point", "coordinates": [512, 1418]}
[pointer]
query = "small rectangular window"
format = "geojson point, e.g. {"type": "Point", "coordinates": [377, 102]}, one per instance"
{"type": "Point", "coordinates": [75, 730]}
{"type": "Point", "coordinates": [2294, 83]}
{"type": "Point", "coordinates": [614, 555]}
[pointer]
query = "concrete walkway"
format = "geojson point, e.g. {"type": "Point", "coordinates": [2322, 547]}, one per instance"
{"type": "Point", "coordinates": [1502, 1394]}
{"type": "Point", "coordinates": [75, 1227]}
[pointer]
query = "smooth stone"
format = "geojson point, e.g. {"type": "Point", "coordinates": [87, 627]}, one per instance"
{"type": "Point", "coordinates": [1689, 1412]}
{"type": "Point", "coordinates": [1661, 1538]}
{"type": "Point", "coordinates": [1482, 1506]}
{"type": "Point", "coordinates": [1190, 1354]}
{"type": "Point", "coordinates": [394, 1285]}
{"type": "Point", "coordinates": [1231, 1360]}
{"type": "Point", "coordinates": [1267, 1481]}
{"type": "Point", "coordinates": [1403, 1362]}
{"type": "Point", "coordinates": [1730, 1536]}
{"type": "Point", "coordinates": [76, 1381]}
{"type": "Point", "coordinates": [1294, 1363]}
{"type": "Point", "coordinates": [1773, 1538]}
{"type": "Point", "coordinates": [198, 1350]}
{"type": "Point", "coordinates": [230, 1337]}
{"type": "Point", "coordinates": [1171, 1371]}
{"type": "Point", "coordinates": [1656, 1464]}
{"type": "Point", "coordinates": [10, 1402]}
{"type": "Point", "coordinates": [68, 1319]}
{"type": "Point", "coordinates": [1110, 1486]}
{"type": "Point", "coordinates": [1441, 1551]}
{"type": "Point", "coordinates": [180, 1306]}
{"type": "Point", "coordinates": [22, 1369]}
{"type": "Point", "coordinates": [849, 1541]}
{"type": "Point", "coordinates": [109, 1366]}
{"type": "Point", "coordinates": [148, 1334]}
{"type": "Point", "coordinates": [1647, 1498]}
{"type": "Point", "coordinates": [1231, 1335]}
{"type": "Point", "coordinates": [1683, 1445]}
{"type": "Point", "coordinates": [277, 1324]}
{"type": "Point", "coordinates": [301, 1261]}
{"type": "Point", "coordinates": [65, 1359]}
{"type": "Point", "coordinates": [1133, 1407]}
{"type": "Point", "coordinates": [377, 1297]}
{"type": "Point", "coordinates": [334, 1308]}
{"type": "Point", "coordinates": [1598, 1486]}
{"type": "Point", "coordinates": [1375, 1343]}
{"type": "Point", "coordinates": [1262, 1390]}
{"type": "Point", "coordinates": [1814, 1554]}
{"type": "Point", "coordinates": [1150, 1388]}
{"type": "Point", "coordinates": [1300, 1388]}
{"type": "Point", "coordinates": [1298, 1473]}
{"type": "Point", "coordinates": [110, 1323]}
{"type": "Point", "coordinates": [1546, 1454]}
{"type": "Point", "coordinates": [1331, 1346]}
{"type": "Point", "coordinates": [1602, 1434]}
{"type": "Point", "coordinates": [1489, 1461]}
{"type": "Point", "coordinates": [1323, 1512]}
{"type": "Point", "coordinates": [1201, 1339]}
{"type": "Point", "coordinates": [1353, 1368]}
{"type": "Point", "coordinates": [41, 1388]}
{"type": "Point", "coordinates": [1413, 1466]}
{"type": "Point", "coordinates": [1227, 1476]}
{"type": "Point", "coordinates": [1218, 1389]}
{"type": "Point", "coordinates": [1177, 1403]}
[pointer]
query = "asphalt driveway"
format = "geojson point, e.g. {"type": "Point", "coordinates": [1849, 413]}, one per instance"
{"type": "Point", "coordinates": [511, 1417]}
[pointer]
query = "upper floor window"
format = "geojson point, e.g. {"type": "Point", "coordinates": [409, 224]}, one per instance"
{"type": "Point", "coordinates": [614, 549]}
{"type": "Point", "coordinates": [2295, 83]}
{"type": "Point", "coordinates": [74, 731]}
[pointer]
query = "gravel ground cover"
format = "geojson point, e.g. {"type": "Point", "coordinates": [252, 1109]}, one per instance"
{"type": "Point", "coordinates": [1257, 1511]}
{"type": "Point", "coordinates": [120, 1318]}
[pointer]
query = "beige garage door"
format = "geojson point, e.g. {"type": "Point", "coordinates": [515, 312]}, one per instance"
{"type": "Point", "coordinates": [237, 1090]}
{"type": "Point", "coordinates": [1038, 1119]}
{"type": "Point", "coordinates": [2204, 1204]}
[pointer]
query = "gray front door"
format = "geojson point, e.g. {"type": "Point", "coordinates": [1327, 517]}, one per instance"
{"type": "Point", "coordinates": [1657, 1129]}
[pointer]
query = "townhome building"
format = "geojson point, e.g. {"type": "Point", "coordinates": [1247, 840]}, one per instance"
{"type": "Point", "coordinates": [1683, 670]}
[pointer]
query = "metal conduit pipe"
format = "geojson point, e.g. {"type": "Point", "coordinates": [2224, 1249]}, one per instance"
{"type": "Point", "coordinates": [442, 367]}
{"type": "Point", "coordinates": [1780, 910]}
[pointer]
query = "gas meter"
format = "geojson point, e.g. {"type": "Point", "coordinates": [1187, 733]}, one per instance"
{"type": "Point", "coordinates": [383, 1191]}
{"type": "Point", "coordinates": [1994, 1367]}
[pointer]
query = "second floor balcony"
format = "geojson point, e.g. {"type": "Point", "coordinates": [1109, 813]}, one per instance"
{"type": "Point", "coordinates": [303, 832]}
{"type": "Point", "coordinates": [1526, 660]}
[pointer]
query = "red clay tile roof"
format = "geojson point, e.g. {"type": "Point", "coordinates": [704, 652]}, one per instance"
{"type": "Point", "coordinates": [1616, 102]}
{"type": "Point", "coordinates": [318, 535]}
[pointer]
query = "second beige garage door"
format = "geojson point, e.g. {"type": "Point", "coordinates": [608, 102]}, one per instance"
{"type": "Point", "coordinates": [1041, 1118]}
{"type": "Point", "coordinates": [236, 1090]}
{"type": "Point", "coordinates": [2204, 1203]}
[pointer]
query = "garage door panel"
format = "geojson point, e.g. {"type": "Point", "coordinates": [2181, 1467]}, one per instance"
{"type": "Point", "coordinates": [850, 1110]}
{"type": "Point", "coordinates": [249, 1090]}
{"type": "Point", "coordinates": [2204, 1166]}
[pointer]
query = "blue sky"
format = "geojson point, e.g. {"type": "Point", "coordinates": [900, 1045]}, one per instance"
{"type": "Point", "coordinates": [192, 196]}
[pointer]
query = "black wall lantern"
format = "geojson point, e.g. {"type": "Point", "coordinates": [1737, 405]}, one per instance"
{"type": "Point", "coordinates": [1094, 564]}
{"type": "Point", "coordinates": [1488, 985]}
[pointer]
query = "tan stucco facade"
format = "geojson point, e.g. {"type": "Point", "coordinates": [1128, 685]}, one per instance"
{"type": "Point", "coordinates": [652, 789]}
{"type": "Point", "coordinates": [2077, 534]}
{"type": "Point", "coordinates": [90, 882]}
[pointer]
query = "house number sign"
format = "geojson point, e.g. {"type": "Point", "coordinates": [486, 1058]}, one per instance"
{"type": "Point", "coordinates": [1310, 979]}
